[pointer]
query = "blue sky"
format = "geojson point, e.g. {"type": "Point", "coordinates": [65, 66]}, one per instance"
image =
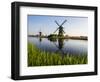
{"type": "Point", "coordinates": [75, 26]}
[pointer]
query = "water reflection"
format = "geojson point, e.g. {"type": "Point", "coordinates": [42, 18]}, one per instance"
{"type": "Point", "coordinates": [60, 42]}
{"type": "Point", "coordinates": [40, 39]}
{"type": "Point", "coordinates": [60, 45]}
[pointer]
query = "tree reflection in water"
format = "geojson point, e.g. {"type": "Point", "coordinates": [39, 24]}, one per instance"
{"type": "Point", "coordinates": [59, 43]}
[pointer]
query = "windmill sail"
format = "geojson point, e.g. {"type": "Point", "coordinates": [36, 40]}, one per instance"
{"type": "Point", "coordinates": [63, 22]}
{"type": "Point", "coordinates": [56, 30]}
{"type": "Point", "coordinates": [60, 28]}
{"type": "Point", "coordinates": [57, 23]}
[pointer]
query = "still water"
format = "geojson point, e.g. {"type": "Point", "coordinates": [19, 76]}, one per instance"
{"type": "Point", "coordinates": [62, 46]}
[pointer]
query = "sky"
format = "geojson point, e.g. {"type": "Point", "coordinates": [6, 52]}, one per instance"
{"type": "Point", "coordinates": [74, 26]}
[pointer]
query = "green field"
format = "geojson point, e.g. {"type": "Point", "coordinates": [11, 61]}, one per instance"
{"type": "Point", "coordinates": [37, 57]}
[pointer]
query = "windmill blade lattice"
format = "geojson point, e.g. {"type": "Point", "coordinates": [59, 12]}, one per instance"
{"type": "Point", "coordinates": [57, 23]}
{"type": "Point", "coordinates": [63, 22]}
{"type": "Point", "coordinates": [56, 30]}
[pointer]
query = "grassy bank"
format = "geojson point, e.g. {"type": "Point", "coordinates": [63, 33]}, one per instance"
{"type": "Point", "coordinates": [36, 57]}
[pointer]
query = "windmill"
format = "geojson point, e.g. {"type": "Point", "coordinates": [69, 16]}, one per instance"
{"type": "Point", "coordinates": [40, 33]}
{"type": "Point", "coordinates": [60, 29]}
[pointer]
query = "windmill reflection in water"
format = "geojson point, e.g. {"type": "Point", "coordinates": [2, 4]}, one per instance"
{"type": "Point", "coordinates": [58, 39]}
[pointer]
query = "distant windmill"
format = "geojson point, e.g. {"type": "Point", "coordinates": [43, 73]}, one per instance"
{"type": "Point", "coordinates": [40, 33]}
{"type": "Point", "coordinates": [60, 28]}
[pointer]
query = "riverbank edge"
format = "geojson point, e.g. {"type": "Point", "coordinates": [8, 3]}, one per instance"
{"type": "Point", "coordinates": [36, 57]}
{"type": "Point", "coordinates": [70, 37]}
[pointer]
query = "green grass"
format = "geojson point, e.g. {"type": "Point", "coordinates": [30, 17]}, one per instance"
{"type": "Point", "coordinates": [36, 57]}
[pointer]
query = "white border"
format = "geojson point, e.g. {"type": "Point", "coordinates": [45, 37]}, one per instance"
{"type": "Point", "coordinates": [25, 70]}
